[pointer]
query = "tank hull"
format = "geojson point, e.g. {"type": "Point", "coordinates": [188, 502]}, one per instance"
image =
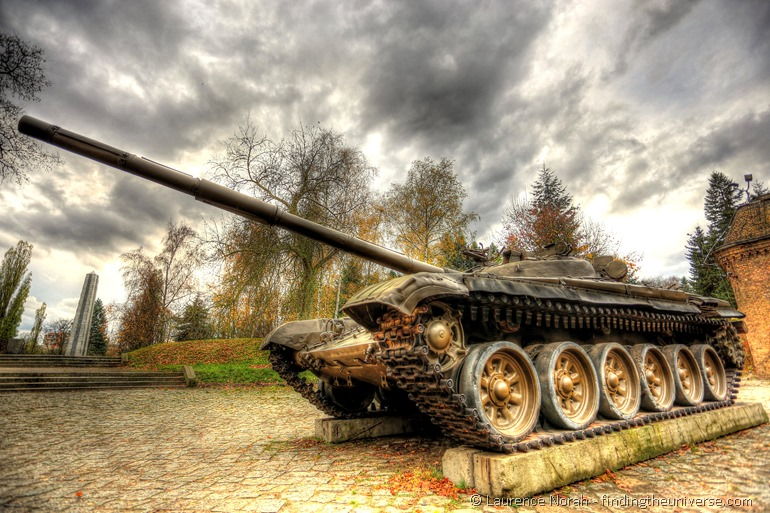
{"type": "Point", "coordinates": [387, 343]}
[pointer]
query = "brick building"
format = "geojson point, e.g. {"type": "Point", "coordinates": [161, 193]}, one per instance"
{"type": "Point", "coordinates": [745, 256]}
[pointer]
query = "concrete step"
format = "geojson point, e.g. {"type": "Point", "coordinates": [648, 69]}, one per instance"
{"type": "Point", "coordinates": [59, 374]}
{"type": "Point", "coordinates": [41, 383]}
{"type": "Point", "coordinates": [13, 385]}
{"type": "Point", "coordinates": [54, 357]}
{"type": "Point", "coordinates": [88, 377]}
{"type": "Point", "coordinates": [34, 378]}
{"type": "Point", "coordinates": [29, 361]}
{"type": "Point", "coordinates": [65, 359]}
{"type": "Point", "coordinates": [69, 389]}
{"type": "Point", "coordinates": [57, 364]}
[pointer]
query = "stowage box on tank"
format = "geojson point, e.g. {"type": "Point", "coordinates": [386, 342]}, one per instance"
{"type": "Point", "coordinates": [538, 350]}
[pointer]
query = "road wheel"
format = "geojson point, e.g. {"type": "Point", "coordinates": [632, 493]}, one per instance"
{"type": "Point", "coordinates": [656, 377]}
{"type": "Point", "coordinates": [569, 385]}
{"type": "Point", "coordinates": [499, 381]}
{"type": "Point", "coordinates": [351, 399]}
{"type": "Point", "coordinates": [688, 380]}
{"type": "Point", "coordinates": [713, 372]}
{"type": "Point", "coordinates": [620, 393]}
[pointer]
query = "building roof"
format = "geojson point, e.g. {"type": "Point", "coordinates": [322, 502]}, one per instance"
{"type": "Point", "coordinates": [751, 223]}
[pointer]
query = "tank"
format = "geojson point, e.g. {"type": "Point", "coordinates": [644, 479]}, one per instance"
{"type": "Point", "coordinates": [540, 349]}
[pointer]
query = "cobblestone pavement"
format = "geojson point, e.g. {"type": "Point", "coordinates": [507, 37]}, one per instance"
{"type": "Point", "coordinates": [234, 450]}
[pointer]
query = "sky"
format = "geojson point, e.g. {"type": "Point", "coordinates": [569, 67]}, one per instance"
{"type": "Point", "coordinates": [632, 103]}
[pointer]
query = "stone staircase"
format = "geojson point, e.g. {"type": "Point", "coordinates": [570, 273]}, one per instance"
{"type": "Point", "coordinates": [29, 373]}
{"type": "Point", "coordinates": [54, 360]}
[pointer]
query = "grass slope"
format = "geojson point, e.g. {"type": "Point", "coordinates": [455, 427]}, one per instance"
{"type": "Point", "coordinates": [214, 361]}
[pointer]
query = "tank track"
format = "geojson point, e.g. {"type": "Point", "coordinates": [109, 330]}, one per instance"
{"type": "Point", "coordinates": [409, 365]}
{"type": "Point", "coordinates": [281, 360]}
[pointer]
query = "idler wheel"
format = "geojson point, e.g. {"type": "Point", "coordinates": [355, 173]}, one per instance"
{"type": "Point", "coordinates": [619, 390]}
{"type": "Point", "coordinates": [568, 381]}
{"type": "Point", "coordinates": [688, 380]}
{"type": "Point", "coordinates": [713, 372]}
{"type": "Point", "coordinates": [655, 376]}
{"type": "Point", "coordinates": [351, 399]}
{"type": "Point", "coordinates": [500, 382]}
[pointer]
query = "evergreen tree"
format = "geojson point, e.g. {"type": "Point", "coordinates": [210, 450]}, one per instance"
{"type": "Point", "coordinates": [97, 337]}
{"type": "Point", "coordinates": [722, 198]}
{"type": "Point", "coordinates": [721, 201]}
{"type": "Point", "coordinates": [550, 217]}
{"type": "Point", "coordinates": [696, 252]}
{"type": "Point", "coordinates": [194, 322]}
{"type": "Point", "coordinates": [14, 289]}
{"type": "Point", "coordinates": [549, 192]}
{"type": "Point", "coordinates": [758, 189]}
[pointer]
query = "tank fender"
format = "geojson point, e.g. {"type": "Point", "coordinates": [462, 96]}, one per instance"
{"type": "Point", "coordinates": [403, 294]}
{"type": "Point", "coordinates": [299, 335]}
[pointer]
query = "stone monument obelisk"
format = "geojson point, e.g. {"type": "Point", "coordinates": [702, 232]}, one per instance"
{"type": "Point", "coordinates": [81, 326]}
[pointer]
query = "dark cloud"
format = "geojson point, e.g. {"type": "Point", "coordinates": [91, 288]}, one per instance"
{"type": "Point", "coordinates": [746, 137]}
{"type": "Point", "coordinates": [132, 211]}
{"type": "Point", "coordinates": [633, 103]}
{"type": "Point", "coordinates": [439, 70]}
{"type": "Point", "coordinates": [735, 146]}
{"type": "Point", "coordinates": [126, 70]}
{"type": "Point", "coordinates": [649, 20]}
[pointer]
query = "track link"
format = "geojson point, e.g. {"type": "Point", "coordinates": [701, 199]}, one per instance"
{"type": "Point", "coordinates": [410, 367]}
{"type": "Point", "coordinates": [283, 363]}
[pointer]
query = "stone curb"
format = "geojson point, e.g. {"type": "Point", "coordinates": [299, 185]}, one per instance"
{"type": "Point", "coordinates": [190, 379]}
{"type": "Point", "coordinates": [526, 474]}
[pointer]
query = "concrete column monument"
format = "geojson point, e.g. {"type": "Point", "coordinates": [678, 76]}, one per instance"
{"type": "Point", "coordinates": [81, 326]}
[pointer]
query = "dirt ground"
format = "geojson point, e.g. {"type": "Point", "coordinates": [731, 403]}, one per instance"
{"type": "Point", "coordinates": [252, 449]}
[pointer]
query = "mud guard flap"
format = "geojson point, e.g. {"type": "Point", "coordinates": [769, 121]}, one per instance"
{"type": "Point", "coordinates": [300, 334]}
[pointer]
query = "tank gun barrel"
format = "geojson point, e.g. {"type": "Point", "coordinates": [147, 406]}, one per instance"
{"type": "Point", "coordinates": [218, 195]}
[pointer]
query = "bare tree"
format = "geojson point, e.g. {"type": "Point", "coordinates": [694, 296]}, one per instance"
{"type": "Point", "coordinates": [667, 282]}
{"type": "Point", "coordinates": [596, 240]}
{"type": "Point", "coordinates": [180, 258]}
{"type": "Point", "coordinates": [312, 174]}
{"type": "Point", "coordinates": [21, 76]}
{"type": "Point", "coordinates": [56, 335]}
{"type": "Point", "coordinates": [167, 280]}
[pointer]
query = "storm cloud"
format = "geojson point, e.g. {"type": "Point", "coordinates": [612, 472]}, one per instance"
{"type": "Point", "coordinates": [632, 103]}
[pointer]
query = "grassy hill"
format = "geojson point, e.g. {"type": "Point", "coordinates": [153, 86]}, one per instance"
{"type": "Point", "coordinates": [232, 361]}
